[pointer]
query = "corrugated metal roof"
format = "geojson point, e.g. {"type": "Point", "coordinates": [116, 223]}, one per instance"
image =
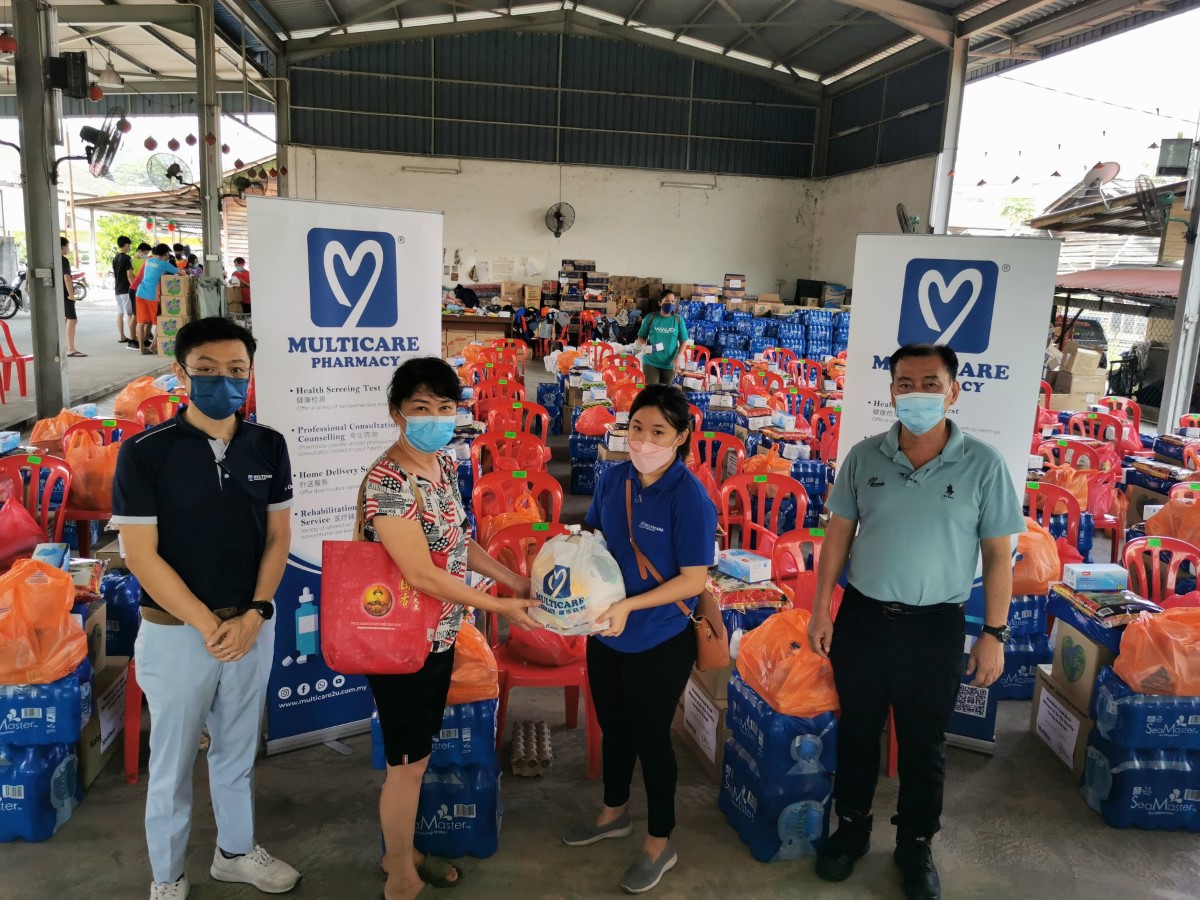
{"type": "Point", "coordinates": [1153, 282]}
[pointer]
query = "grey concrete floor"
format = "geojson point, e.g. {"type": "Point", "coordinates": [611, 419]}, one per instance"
{"type": "Point", "coordinates": [1015, 826]}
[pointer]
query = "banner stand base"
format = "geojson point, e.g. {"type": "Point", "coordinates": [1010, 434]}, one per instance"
{"type": "Point", "coordinates": [988, 748]}
{"type": "Point", "coordinates": [311, 738]}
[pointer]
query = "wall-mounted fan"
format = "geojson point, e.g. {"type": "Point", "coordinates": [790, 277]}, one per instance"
{"type": "Point", "coordinates": [560, 217]}
{"type": "Point", "coordinates": [243, 186]}
{"type": "Point", "coordinates": [908, 224]}
{"type": "Point", "coordinates": [168, 172]}
{"type": "Point", "coordinates": [102, 143]}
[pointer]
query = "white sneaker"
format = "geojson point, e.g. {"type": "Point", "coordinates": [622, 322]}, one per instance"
{"type": "Point", "coordinates": [170, 890]}
{"type": "Point", "coordinates": [259, 868]}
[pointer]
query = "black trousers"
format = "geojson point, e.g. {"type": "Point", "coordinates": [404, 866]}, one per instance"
{"type": "Point", "coordinates": [914, 665]}
{"type": "Point", "coordinates": [635, 696]}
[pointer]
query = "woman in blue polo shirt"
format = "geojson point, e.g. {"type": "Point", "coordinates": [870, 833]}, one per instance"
{"type": "Point", "coordinates": [639, 665]}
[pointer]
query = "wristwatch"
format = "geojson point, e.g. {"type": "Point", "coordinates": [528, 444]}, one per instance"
{"type": "Point", "coordinates": [1003, 634]}
{"type": "Point", "coordinates": [264, 608]}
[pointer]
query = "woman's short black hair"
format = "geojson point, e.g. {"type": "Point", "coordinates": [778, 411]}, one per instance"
{"type": "Point", "coordinates": [670, 401]}
{"type": "Point", "coordinates": [430, 372]}
{"type": "Point", "coordinates": [161, 250]}
{"type": "Point", "coordinates": [209, 331]}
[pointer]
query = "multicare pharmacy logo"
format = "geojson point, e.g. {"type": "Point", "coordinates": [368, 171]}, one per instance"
{"type": "Point", "coordinates": [352, 279]}
{"type": "Point", "coordinates": [949, 301]}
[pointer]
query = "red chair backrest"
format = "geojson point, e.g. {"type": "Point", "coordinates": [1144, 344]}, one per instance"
{"type": "Point", "coordinates": [744, 502]}
{"type": "Point", "coordinates": [1062, 452]}
{"type": "Point", "coordinates": [840, 382]}
{"type": "Point", "coordinates": [596, 352]}
{"type": "Point", "coordinates": [779, 356]}
{"type": "Point", "coordinates": [1191, 458]}
{"type": "Point", "coordinates": [614, 375]}
{"type": "Point", "coordinates": [1051, 500]}
{"type": "Point", "coordinates": [806, 373]}
{"type": "Point", "coordinates": [1190, 420]}
{"type": "Point", "coordinates": [824, 418]}
{"type": "Point", "coordinates": [623, 396]}
{"type": "Point", "coordinates": [796, 401]}
{"type": "Point", "coordinates": [8, 340]}
{"type": "Point", "coordinates": [1131, 408]}
{"type": "Point", "coordinates": [487, 355]}
{"type": "Point", "coordinates": [25, 474]}
{"type": "Point", "coordinates": [1161, 586]}
{"type": "Point", "coordinates": [158, 409]}
{"type": "Point", "coordinates": [713, 450]}
{"type": "Point", "coordinates": [519, 415]}
{"type": "Point", "coordinates": [697, 417]}
{"type": "Point", "coordinates": [1096, 426]}
{"type": "Point", "coordinates": [1185, 490]}
{"type": "Point", "coordinates": [497, 372]}
{"type": "Point", "coordinates": [109, 431]}
{"type": "Point", "coordinates": [762, 382]}
{"type": "Point", "coordinates": [624, 359]}
{"type": "Point", "coordinates": [696, 353]}
{"type": "Point", "coordinates": [518, 545]}
{"type": "Point", "coordinates": [722, 367]}
{"type": "Point", "coordinates": [1045, 392]}
{"type": "Point", "coordinates": [790, 568]}
{"type": "Point", "coordinates": [495, 393]}
{"type": "Point", "coordinates": [496, 492]}
{"type": "Point", "coordinates": [504, 454]}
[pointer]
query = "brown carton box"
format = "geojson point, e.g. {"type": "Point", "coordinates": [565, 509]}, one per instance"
{"type": "Point", "coordinates": [700, 723]}
{"type": "Point", "coordinates": [98, 740]}
{"type": "Point", "coordinates": [93, 619]}
{"type": "Point", "coordinates": [1061, 725]}
{"type": "Point", "coordinates": [1077, 661]}
{"type": "Point", "coordinates": [1079, 359]}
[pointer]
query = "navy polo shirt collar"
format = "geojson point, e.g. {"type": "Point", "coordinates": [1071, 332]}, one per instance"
{"type": "Point", "coordinates": [669, 481]}
{"type": "Point", "coordinates": [191, 429]}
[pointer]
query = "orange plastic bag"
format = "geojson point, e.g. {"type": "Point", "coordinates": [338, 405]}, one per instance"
{"type": "Point", "coordinates": [1069, 479]}
{"type": "Point", "coordinates": [92, 469]}
{"type": "Point", "coordinates": [49, 432]}
{"type": "Point", "coordinates": [566, 360]}
{"type": "Point", "coordinates": [769, 463]}
{"type": "Point", "coordinates": [475, 675]}
{"type": "Point", "coordinates": [776, 660]}
{"type": "Point", "coordinates": [471, 353]}
{"type": "Point", "coordinates": [1161, 654]}
{"type": "Point", "coordinates": [128, 401]}
{"type": "Point", "coordinates": [1179, 518]}
{"type": "Point", "coordinates": [525, 509]}
{"type": "Point", "coordinates": [19, 531]}
{"type": "Point", "coordinates": [594, 421]}
{"type": "Point", "coordinates": [39, 642]}
{"type": "Point", "coordinates": [1038, 563]}
{"type": "Point", "coordinates": [829, 444]}
{"type": "Point", "coordinates": [1068, 553]}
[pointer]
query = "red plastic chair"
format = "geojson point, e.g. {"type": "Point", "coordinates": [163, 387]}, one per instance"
{"type": "Point", "coordinates": [1131, 409]}
{"type": "Point", "coordinates": [1190, 420]}
{"type": "Point", "coordinates": [1191, 458]}
{"type": "Point", "coordinates": [498, 372]}
{"type": "Point", "coordinates": [1185, 490]}
{"type": "Point", "coordinates": [806, 373]}
{"type": "Point", "coordinates": [721, 367]}
{"type": "Point", "coordinates": [13, 357]}
{"type": "Point", "coordinates": [487, 355]}
{"type": "Point", "coordinates": [25, 474]}
{"type": "Point", "coordinates": [110, 431]}
{"type": "Point", "coordinates": [597, 352]}
{"type": "Point", "coordinates": [496, 393]}
{"type": "Point", "coordinates": [520, 415]}
{"type": "Point", "coordinates": [1096, 426]}
{"type": "Point", "coordinates": [744, 502]}
{"type": "Point", "coordinates": [1065, 452]}
{"type": "Point", "coordinates": [697, 418]}
{"type": "Point", "coordinates": [156, 410]}
{"type": "Point", "coordinates": [779, 357]}
{"type": "Point", "coordinates": [517, 547]}
{"type": "Point", "coordinates": [1045, 392]}
{"type": "Point", "coordinates": [615, 375]}
{"type": "Point", "coordinates": [764, 382]}
{"type": "Point", "coordinates": [791, 571]}
{"type": "Point", "coordinates": [695, 353]}
{"type": "Point", "coordinates": [523, 452]}
{"type": "Point", "coordinates": [825, 418]}
{"type": "Point", "coordinates": [712, 449]}
{"type": "Point", "coordinates": [1161, 584]}
{"type": "Point", "coordinates": [513, 352]}
{"type": "Point", "coordinates": [840, 382]}
{"type": "Point", "coordinates": [496, 492]}
{"type": "Point", "coordinates": [624, 359]}
{"type": "Point", "coordinates": [1050, 499]}
{"type": "Point", "coordinates": [801, 402]}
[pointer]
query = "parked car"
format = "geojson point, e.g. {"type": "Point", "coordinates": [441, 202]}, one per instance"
{"type": "Point", "coordinates": [1087, 333]}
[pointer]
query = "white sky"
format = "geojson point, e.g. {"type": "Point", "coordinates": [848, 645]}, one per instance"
{"type": "Point", "coordinates": [1011, 128]}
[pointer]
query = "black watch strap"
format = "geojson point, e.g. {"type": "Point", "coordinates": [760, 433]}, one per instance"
{"type": "Point", "coordinates": [264, 608]}
{"type": "Point", "coordinates": [1000, 633]}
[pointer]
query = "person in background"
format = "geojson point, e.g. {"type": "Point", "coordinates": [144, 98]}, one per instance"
{"type": "Point", "coordinates": [68, 290]}
{"type": "Point", "coordinates": [926, 501]}
{"type": "Point", "coordinates": [139, 260]}
{"type": "Point", "coordinates": [122, 267]}
{"type": "Point", "coordinates": [179, 256]}
{"type": "Point", "coordinates": [639, 665]}
{"type": "Point", "coordinates": [241, 276]}
{"type": "Point", "coordinates": [206, 486]}
{"type": "Point", "coordinates": [145, 286]}
{"type": "Point", "coordinates": [410, 503]}
{"type": "Point", "coordinates": [665, 333]}
{"type": "Point", "coordinates": [467, 297]}
{"type": "Point", "coordinates": [193, 266]}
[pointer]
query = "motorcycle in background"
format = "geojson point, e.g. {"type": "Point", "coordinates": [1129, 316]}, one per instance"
{"type": "Point", "coordinates": [79, 286]}
{"type": "Point", "coordinates": [12, 297]}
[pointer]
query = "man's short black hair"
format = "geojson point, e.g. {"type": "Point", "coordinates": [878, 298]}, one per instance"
{"type": "Point", "coordinates": [143, 246]}
{"type": "Point", "coordinates": [239, 261]}
{"type": "Point", "coordinates": [430, 372]}
{"type": "Point", "coordinates": [923, 351]}
{"type": "Point", "coordinates": [210, 331]}
{"type": "Point", "coordinates": [123, 242]}
{"type": "Point", "coordinates": [63, 242]}
{"type": "Point", "coordinates": [161, 250]}
{"type": "Point", "coordinates": [666, 294]}
{"type": "Point", "coordinates": [178, 248]}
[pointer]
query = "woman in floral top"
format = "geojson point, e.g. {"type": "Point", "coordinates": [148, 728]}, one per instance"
{"type": "Point", "coordinates": [411, 504]}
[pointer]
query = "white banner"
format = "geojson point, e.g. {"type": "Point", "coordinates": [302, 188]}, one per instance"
{"type": "Point", "coordinates": [342, 296]}
{"type": "Point", "coordinates": [987, 298]}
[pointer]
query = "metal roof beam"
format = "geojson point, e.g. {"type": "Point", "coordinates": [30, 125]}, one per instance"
{"type": "Point", "coordinates": [172, 16]}
{"type": "Point", "coordinates": [163, 86]}
{"type": "Point", "coordinates": [751, 34]}
{"type": "Point", "coordinates": [930, 24]}
{"type": "Point", "coordinates": [253, 22]}
{"type": "Point", "coordinates": [752, 30]}
{"type": "Point", "coordinates": [360, 19]}
{"type": "Point", "coordinates": [999, 15]}
{"type": "Point", "coordinates": [1082, 16]}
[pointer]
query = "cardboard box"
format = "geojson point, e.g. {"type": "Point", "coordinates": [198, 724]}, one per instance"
{"type": "Point", "coordinates": [98, 740]}
{"type": "Point", "coordinates": [1073, 402]}
{"type": "Point", "coordinates": [571, 305]}
{"type": "Point", "coordinates": [1079, 359]}
{"type": "Point", "coordinates": [168, 326]}
{"type": "Point", "coordinates": [1077, 661]}
{"type": "Point", "coordinates": [111, 553]}
{"type": "Point", "coordinates": [716, 682]}
{"type": "Point", "coordinates": [1139, 499]}
{"type": "Point", "coordinates": [700, 723]}
{"type": "Point", "coordinates": [769, 298]}
{"type": "Point", "coordinates": [1081, 383]}
{"type": "Point", "coordinates": [93, 619]}
{"type": "Point", "coordinates": [454, 342]}
{"type": "Point", "coordinates": [744, 565]}
{"type": "Point", "coordinates": [1060, 724]}
{"type": "Point", "coordinates": [613, 455]}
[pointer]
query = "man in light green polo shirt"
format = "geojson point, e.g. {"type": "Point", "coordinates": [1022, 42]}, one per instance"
{"type": "Point", "coordinates": [913, 510]}
{"type": "Point", "coordinates": [666, 335]}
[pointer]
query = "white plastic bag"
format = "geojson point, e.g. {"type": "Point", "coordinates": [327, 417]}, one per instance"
{"type": "Point", "coordinates": [576, 580]}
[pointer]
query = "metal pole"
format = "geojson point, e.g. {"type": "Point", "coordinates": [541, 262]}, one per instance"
{"type": "Point", "coordinates": [943, 183]}
{"type": "Point", "coordinates": [71, 211]}
{"type": "Point", "coordinates": [1185, 336]}
{"type": "Point", "coordinates": [283, 128]}
{"type": "Point", "coordinates": [210, 124]}
{"type": "Point", "coordinates": [34, 106]}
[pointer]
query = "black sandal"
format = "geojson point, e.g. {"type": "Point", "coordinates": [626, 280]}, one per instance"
{"type": "Point", "coordinates": [433, 871]}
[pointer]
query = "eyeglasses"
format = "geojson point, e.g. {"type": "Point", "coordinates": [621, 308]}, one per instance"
{"type": "Point", "coordinates": [239, 372]}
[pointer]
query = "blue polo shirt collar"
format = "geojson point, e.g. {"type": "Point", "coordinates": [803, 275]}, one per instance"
{"type": "Point", "coordinates": [951, 453]}
{"type": "Point", "coordinates": [191, 429]}
{"type": "Point", "coordinates": [669, 481]}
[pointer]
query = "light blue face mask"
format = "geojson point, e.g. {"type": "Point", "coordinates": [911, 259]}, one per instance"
{"type": "Point", "coordinates": [428, 434]}
{"type": "Point", "coordinates": [920, 412]}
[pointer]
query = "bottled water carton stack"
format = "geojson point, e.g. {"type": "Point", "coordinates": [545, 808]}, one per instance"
{"type": "Point", "coordinates": [584, 447]}
{"type": "Point", "coordinates": [39, 789]}
{"type": "Point", "coordinates": [550, 395]}
{"type": "Point", "coordinates": [699, 399]}
{"type": "Point", "coordinates": [760, 344]}
{"type": "Point", "coordinates": [583, 476]}
{"type": "Point", "coordinates": [780, 745]}
{"type": "Point", "coordinates": [722, 420]}
{"type": "Point", "coordinates": [467, 738]}
{"type": "Point", "coordinates": [814, 475]}
{"type": "Point", "coordinates": [798, 315]}
{"type": "Point", "coordinates": [758, 327]}
{"type": "Point", "coordinates": [714, 312]}
{"type": "Point", "coordinates": [556, 420]}
{"type": "Point", "coordinates": [791, 331]}
{"type": "Point", "coordinates": [704, 334]}
{"type": "Point", "coordinates": [122, 599]}
{"type": "Point", "coordinates": [1135, 721]}
{"type": "Point", "coordinates": [1150, 789]}
{"type": "Point", "coordinates": [812, 518]}
{"type": "Point", "coordinates": [770, 328]}
{"type": "Point", "coordinates": [745, 327]}
{"type": "Point", "coordinates": [839, 347]}
{"type": "Point", "coordinates": [40, 714]}
{"type": "Point", "coordinates": [841, 326]}
{"type": "Point", "coordinates": [737, 315]}
{"type": "Point", "coordinates": [1022, 656]}
{"type": "Point", "coordinates": [1027, 615]}
{"type": "Point", "coordinates": [466, 481]}
{"type": "Point", "coordinates": [459, 813]}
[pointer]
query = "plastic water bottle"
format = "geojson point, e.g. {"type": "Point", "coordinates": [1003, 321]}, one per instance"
{"type": "Point", "coordinates": [42, 713]}
{"type": "Point", "coordinates": [806, 751]}
{"type": "Point", "coordinates": [122, 597]}
{"type": "Point", "coordinates": [1151, 789]}
{"type": "Point", "coordinates": [84, 673]}
{"type": "Point", "coordinates": [87, 410]}
{"type": "Point", "coordinates": [39, 789]}
{"type": "Point", "coordinates": [306, 626]}
{"type": "Point", "coordinates": [1144, 721]}
{"type": "Point", "coordinates": [459, 812]}
{"type": "Point", "coordinates": [801, 825]}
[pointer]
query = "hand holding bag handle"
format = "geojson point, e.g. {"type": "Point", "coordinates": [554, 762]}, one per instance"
{"type": "Point", "coordinates": [712, 643]}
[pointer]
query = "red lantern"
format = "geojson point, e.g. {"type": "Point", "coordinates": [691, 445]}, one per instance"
{"type": "Point", "coordinates": [8, 43]}
{"type": "Point", "coordinates": [224, 148]}
{"type": "Point", "coordinates": [95, 93]}
{"type": "Point", "coordinates": [150, 144]}
{"type": "Point", "coordinates": [274, 173]}
{"type": "Point", "coordinates": [210, 139]}
{"type": "Point", "coordinates": [237, 164]}
{"type": "Point", "coordinates": [191, 140]}
{"type": "Point", "coordinates": [283, 170]}
{"type": "Point", "coordinates": [172, 145]}
{"type": "Point", "coordinates": [171, 227]}
{"type": "Point", "coordinates": [149, 224]}
{"type": "Point", "coordinates": [123, 126]}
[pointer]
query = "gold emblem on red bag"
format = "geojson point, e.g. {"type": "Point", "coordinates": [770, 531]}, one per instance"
{"type": "Point", "coordinates": [377, 600]}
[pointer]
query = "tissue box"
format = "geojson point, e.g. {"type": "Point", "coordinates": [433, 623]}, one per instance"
{"type": "Point", "coordinates": [617, 440]}
{"type": "Point", "coordinates": [756, 401]}
{"type": "Point", "coordinates": [56, 555]}
{"type": "Point", "coordinates": [594, 394]}
{"type": "Point", "coordinates": [9, 441]}
{"type": "Point", "coordinates": [1101, 577]}
{"type": "Point", "coordinates": [783, 421]}
{"type": "Point", "coordinates": [744, 566]}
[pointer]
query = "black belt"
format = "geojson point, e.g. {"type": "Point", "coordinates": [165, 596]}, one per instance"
{"type": "Point", "coordinates": [901, 611]}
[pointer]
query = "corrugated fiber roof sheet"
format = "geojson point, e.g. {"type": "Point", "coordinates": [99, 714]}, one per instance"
{"type": "Point", "coordinates": [1154, 282]}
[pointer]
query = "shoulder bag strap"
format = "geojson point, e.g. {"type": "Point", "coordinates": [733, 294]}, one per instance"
{"type": "Point", "coordinates": [645, 567]}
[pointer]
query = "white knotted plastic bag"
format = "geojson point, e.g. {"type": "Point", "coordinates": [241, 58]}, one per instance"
{"type": "Point", "coordinates": [576, 580]}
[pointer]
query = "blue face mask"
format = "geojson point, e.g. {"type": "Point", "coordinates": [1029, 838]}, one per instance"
{"type": "Point", "coordinates": [667, 309]}
{"type": "Point", "coordinates": [218, 396]}
{"type": "Point", "coordinates": [428, 434]}
{"type": "Point", "coordinates": [920, 412]}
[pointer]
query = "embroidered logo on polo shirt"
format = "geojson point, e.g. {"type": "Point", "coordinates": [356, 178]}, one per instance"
{"type": "Point", "coordinates": [949, 495]}
{"type": "Point", "coordinates": [875, 482]}
{"type": "Point", "coordinates": [646, 526]}
{"type": "Point", "coordinates": [259, 477]}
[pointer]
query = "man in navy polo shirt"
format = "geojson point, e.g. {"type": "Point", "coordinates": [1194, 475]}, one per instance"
{"type": "Point", "coordinates": [926, 501]}
{"type": "Point", "coordinates": [203, 503]}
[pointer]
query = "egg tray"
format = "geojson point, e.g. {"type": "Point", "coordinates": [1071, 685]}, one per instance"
{"type": "Point", "coordinates": [532, 753]}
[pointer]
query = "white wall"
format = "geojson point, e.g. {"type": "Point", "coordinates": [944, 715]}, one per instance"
{"type": "Point", "coordinates": [865, 203]}
{"type": "Point", "coordinates": [766, 229]}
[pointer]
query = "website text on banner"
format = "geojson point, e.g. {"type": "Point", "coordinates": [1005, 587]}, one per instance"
{"type": "Point", "coordinates": [989, 300]}
{"type": "Point", "coordinates": [342, 296]}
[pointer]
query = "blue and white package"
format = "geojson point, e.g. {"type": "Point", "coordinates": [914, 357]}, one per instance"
{"type": "Point", "coordinates": [1143, 721]}
{"type": "Point", "coordinates": [1095, 577]}
{"type": "Point", "coordinates": [1158, 790]}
